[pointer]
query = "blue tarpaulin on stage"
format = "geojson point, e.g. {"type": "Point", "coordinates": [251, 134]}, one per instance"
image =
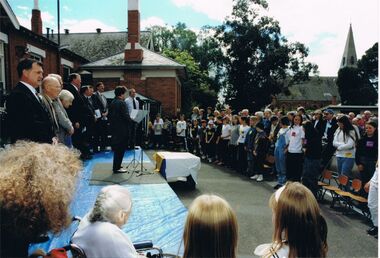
{"type": "Point", "coordinates": [157, 213]}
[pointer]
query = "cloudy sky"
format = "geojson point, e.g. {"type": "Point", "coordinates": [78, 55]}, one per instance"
{"type": "Point", "coordinates": [322, 25]}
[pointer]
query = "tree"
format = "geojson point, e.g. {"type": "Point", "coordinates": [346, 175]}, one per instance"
{"type": "Point", "coordinates": [196, 90]}
{"type": "Point", "coordinates": [369, 65]}
{"type": "Point", "coordinates": [355, 89]}
{"type": "Point", "coordinates": [259, 58]}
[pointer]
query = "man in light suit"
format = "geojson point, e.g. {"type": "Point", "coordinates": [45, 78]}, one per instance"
{"type": "Point", "coordinates": [27, 119]}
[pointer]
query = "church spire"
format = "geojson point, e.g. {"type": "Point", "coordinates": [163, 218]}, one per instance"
{"type": "Point", "coordinates": [349, 58]}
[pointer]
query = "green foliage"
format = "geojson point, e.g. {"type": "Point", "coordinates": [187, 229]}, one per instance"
{"type": "Point", "coordinates": [196, 90]}
{"type": "Point", "coordinates": [258, 57]}
{"type": "Point", "coordinates": [354, 89]}
{"type": "Point", "coordinates": [369, 65]}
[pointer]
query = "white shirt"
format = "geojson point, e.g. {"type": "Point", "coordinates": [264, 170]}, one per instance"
{"type": "Point", "coordinates": [104, 239]}
{"type": "Point", "coordinates": [243, 130]}
{"type": "Point", "coordinates": [181, 128]}
{"type": "Point", "coordinates": [295, 137]}
{"type": "Point", "coordinates": [345, 146]}
{"type": "Point", "coordinates": [32, 89]}
{"type": "Point", "coordinates": [266, 250]}
{"type": "Point", "coordinates": [129, 102]}
{"type": "Point", "coordinates": [158, 126]}
{"type": "Point", "coordinates": [226, 132]}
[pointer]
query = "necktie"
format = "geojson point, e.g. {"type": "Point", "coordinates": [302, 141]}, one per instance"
{"type": "Point", "coordinates": [38, 97]}
{"type": "Point", "coordinates": [134, 103]}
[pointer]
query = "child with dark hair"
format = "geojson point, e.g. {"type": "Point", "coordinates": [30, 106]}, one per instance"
{"type": "Point", "coordinates": [260, 151]}
{"type": "Point", "coordinates": [242, 154]}
{"type": "Point", "coordinates": [194, 136]}
{"type": "Point", "coordinates": [202, 138]}
{"type": "Point", "coordinates": [210, 141]}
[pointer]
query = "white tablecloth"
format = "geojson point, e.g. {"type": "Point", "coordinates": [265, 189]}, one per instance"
{"type": "Point", "coordinates": [181, 164]}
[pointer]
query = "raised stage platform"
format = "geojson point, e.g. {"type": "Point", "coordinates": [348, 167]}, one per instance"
{"type": "Point", "coordinates": [157, 213]}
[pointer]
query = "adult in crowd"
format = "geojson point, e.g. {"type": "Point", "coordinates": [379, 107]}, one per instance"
{"type": "Point", "coordinates": [345, 139]}
{"type": "Point", "coordinates": [318, 122]}
{"type": "Point", "coordinates": [195, 115]}
{"type": "Point", "coordinates": [100, 234]}
{"type": "Point", "coordinates": [328, 148]}
{"type": "Point", "coordinates": [372, 188]}
{"type": "Point", "coordinates": [367, 152]}
{"type": "Point", "coordinates": [27, 119]}
{"type": "Point", "coordinates": [294, 152]}
{"type": "Point", "coordinates": [66, 128]}
{"type": "Point", "coordinates": [302, 112]}
{"type": "Point", "coordinates": [91, 114]}
{"type": "Point", "coordinates": [119, 127]}
{"type": "Point", "coordinates": [132, 103]}
{"type": "Point", "coordinates": [35, 192]}
{"type": "Point", "coordinates": [101, 128]}
{"type": "Point", "coordinates": [300, 230]}
{"type": "Point", "coordinates": [279, 152]}
{"type": "Point", "coordinates": [249, 145]}
{"type": "Point", "coordinates": [50, 90]}
{"type": "Point", "coordinates": [312, 160]}
{"type": "Point", "coordinates": [211, 229]}
{"type": "Point", "coordinates": [76, 114]}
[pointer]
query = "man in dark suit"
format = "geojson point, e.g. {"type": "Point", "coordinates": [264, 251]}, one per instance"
{"type": "Point", "coordinates": [27, 119]}
{"type": "Point", "coordinates": [101, 124]}
{"type": "Point", "coordinates": [119, 125]}
{"type": "Point", "coordinates": [328, 148]}
{"type": "Point", "coordinates": [76, 115]}
{"type": "Point", "coordinates": [89, 114]}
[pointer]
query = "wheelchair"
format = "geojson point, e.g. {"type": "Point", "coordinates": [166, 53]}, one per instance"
{"type": "Point", "coordinates": [144, 247]}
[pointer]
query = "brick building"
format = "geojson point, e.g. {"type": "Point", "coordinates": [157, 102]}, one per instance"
{"type": "Point", "coordinates": [18, 42]}
{"type": "Point", "coordinates": [151, 74]}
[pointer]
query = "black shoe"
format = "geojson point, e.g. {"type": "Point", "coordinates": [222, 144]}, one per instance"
{"type": "Point", "coordinates": [277, 186]}
{"type": "Point", "coordinates": [120, 171]}
{"type": "Point", "coordinates": [372, 231]}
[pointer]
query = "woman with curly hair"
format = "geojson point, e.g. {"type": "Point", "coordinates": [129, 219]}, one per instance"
{"type": "Point", "coordinates": [300, 230]}
{"type": "Point", "coordinates": [36, 188]}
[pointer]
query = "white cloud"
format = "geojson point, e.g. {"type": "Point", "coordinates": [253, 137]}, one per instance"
{"type": "Point", "coordinates": [151, 21]}
{"type": "Point", "coordinates": [310, 21]}
{"type": "Point", "coordinates": [66, 8]}
{"type": "Point", "coordinates": [214, 9]}
{"type": "Point", "coordinates": [25, 8]}
{"type": "Point", "coordinates": [88, 25]}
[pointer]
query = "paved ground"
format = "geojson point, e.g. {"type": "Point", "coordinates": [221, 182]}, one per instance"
{"type": "Point", "coordinates": [347, 233]}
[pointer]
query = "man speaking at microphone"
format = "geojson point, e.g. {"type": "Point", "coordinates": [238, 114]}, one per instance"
{"type": "Point", "coordinates": [132, 103]}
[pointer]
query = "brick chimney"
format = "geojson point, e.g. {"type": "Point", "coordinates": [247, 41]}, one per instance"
{"type": "Point", "coordinates": [36, 19]}
{"type": "Point", "coordinates": [133, 52]}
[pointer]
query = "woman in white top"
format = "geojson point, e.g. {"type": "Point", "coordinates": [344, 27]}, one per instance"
{"type": "Point", "coordinates": [345, 138]}
{"type": "Point", "coordinates": [100, 234]}
{"type": "Point", "coordinates": [294, 153]}
{"type": "Point", "coordinates": [299, 228]}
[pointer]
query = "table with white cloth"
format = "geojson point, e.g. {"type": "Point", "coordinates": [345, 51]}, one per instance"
{"type": "Point", "coordinates": [176, 166]}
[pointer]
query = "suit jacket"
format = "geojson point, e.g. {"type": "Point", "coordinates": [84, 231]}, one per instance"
{"type": "Point", "coordinates": [48, 105]}
{"type": "Point", "coordinates": [100, 102]}
{"type": "Point", "coordinates": [320, 127]}
{"type": "Point", "coordinates": [331, 130]}
{"type": "Point", "coordinates": [75, 111]}
{"type": "Point", "coordinates": [64, 122]}
{"type": "Point", "coordinates": [119, 122]}
{"type": "Point", "coordinates": [27, 119]}
{"type": "Point", "coordinates": [89, 111]}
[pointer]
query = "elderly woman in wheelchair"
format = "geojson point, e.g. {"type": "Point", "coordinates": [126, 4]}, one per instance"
{"type": "Point", "coordinates": [99, 233]}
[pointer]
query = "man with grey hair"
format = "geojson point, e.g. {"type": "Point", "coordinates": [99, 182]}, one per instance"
{"type": "Point", "coordinates": [50, 90]}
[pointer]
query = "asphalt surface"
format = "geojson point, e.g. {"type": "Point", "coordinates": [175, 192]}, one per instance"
{"type": "Point", "coordinates": [347, 235]}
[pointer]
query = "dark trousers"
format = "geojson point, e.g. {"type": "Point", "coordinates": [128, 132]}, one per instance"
{"type": "Point", "coordinates": [294, 166]}
{"type": "Point", "coordinates": [311, 173]}
{"type": "Point", "coordinates": [232, 156]}
{"type": "Point", "coordinates": [80, 143]}
{"type": "Point", "coordinates": [242, 158]}
{"type": "Point", "coordinates": [328, 151]}
{"type": "Point", "coordinates": [223, 146]}
{"type": "Point", "coordinates": [101, 135]}
{"type": "Point", "coordinates": [118, 155]}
